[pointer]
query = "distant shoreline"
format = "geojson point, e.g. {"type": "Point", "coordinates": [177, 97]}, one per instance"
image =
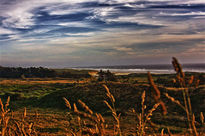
{"type": "Point", "coordinates": [129, 71]}
{"type": "Point", "coordinates": [153, 68]}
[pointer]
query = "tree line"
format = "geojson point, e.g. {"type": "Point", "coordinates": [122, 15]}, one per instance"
{"type": "Point", "coordinates": [36, 72]}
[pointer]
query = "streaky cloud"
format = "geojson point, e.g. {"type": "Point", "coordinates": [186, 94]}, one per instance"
{"type": "Point", "coordinates": [82, 32]}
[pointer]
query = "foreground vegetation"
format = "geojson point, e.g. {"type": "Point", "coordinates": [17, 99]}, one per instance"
{"type": "Point", "coordinates": [132, 105]}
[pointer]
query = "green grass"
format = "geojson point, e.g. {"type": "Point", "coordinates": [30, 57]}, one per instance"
{"type": "Point", "coordinates": [73, 71]}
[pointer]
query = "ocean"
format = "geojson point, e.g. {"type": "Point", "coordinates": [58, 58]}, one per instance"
{"type": "Point", "coordinates": [157, 68]}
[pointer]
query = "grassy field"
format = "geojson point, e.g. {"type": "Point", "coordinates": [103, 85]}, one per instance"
{"type": "Point", "coordinates": [46, 108]}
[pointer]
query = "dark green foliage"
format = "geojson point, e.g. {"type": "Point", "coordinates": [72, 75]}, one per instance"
{"type": "Point", "coordinates": [11, 72]}
{"type": "Point", "coordinates": [40, 72]}
{"type": "Point", "coordinates": [106, 76]}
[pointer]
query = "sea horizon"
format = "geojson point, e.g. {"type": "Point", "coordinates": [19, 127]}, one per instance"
{"type": "Point", "coordinates": [144, 68]}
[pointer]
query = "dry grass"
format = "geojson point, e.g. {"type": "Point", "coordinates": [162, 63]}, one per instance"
{"type": "Point", "coordinates": [88, 122]}
{"type": "Point", "coordinates": [144, 118]}
{"type": "Point", "coordinates": [95, 119]}
{"type": "Point", "coordinates": [41, 123]}
{"type": "Point", "coordinates": [40, 81]}
{"type": "Point", "coordinates": [156, 94]}
{"type": "Point", "coordinates": [181, 78]}
{"type": "Point", "coordinates": [116, 130]}
{"type": "Point", "coordinates": [99, 122]}
{"type": "Point", "coordinates": [11, 126]}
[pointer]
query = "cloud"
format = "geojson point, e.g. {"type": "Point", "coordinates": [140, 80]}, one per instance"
{"type": "Point", "coordinates": [5, 31]}
{"type": "Point", "coordinates": [184, 14]}
{"type": "Point", "coordinates": [123, 49]}
{"type": "Point", "coordinates": [53, 31]}
{"type": "Point", "coordinates": [199, 50]}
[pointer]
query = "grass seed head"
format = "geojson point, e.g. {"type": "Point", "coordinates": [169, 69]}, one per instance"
{"type": "Point", "coordinates": [191, 80]}
{"type": "Point", "coordinates": [107, 89]}
{"type": "Point", "coordinates": [143, 97]}
{"type": "Point", "coordinates": [202, 118]}
{"type": "Point", "coordinates": [7, 102]}
{"type": "Point", "coordinates": [67, 103]}
{"type": "Point", "coordinates": [101, 118]}
{"type": "Point", "coordinates": [164, 109]}
{"type": "Point", "coordinates": [85, 107]}
{"type": "Point", "coordinates": [24, 113]}
{"type": "Point", "coordinates": [75, 108]}
{"type": "Point", "coordinates": [108, 105]}
{"type": "Point", "coordinates": [177, 66]}
{"type": "Point", "coordinates": [197, 83]}
{"type": "Point", "coordinates": [2, 106]}
{"type": "Point", "coordinates": [154, 87]}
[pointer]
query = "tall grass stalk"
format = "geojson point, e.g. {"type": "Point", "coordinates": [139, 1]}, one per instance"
{"type": "Point", "coordinates": [143, 118]}
{"type": "Point", "coordinates": [113, 110]}
{"type": "Point", "coordinates": [4, 116]}
{"type": "Point", "coordinates": [186, 96]}
{"type": "Point", "coordinates": [88, 114]}
{"type": "Point", "coordinates": [156, 94]}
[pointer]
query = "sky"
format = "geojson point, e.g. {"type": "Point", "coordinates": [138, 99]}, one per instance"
{"type": "Point", "coordinates": [69, 33]}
